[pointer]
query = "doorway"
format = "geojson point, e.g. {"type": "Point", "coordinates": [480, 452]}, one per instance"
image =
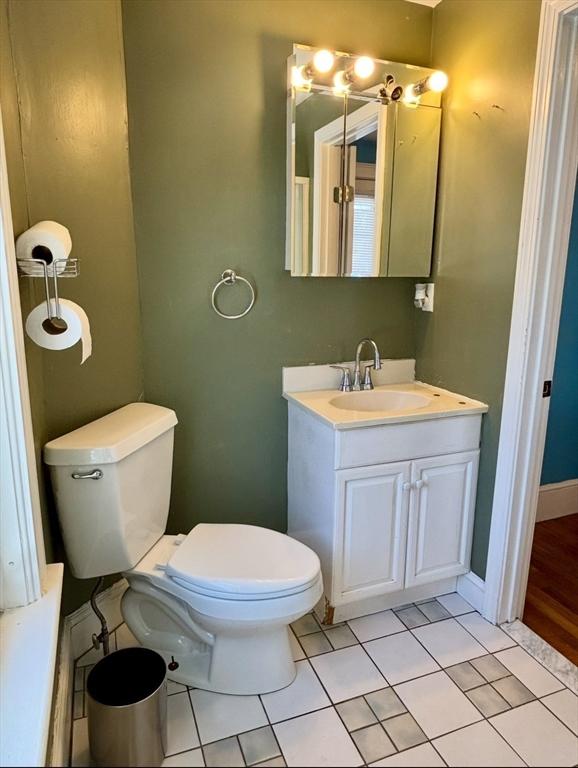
{"type": "Point", "coordinates": [547, 206]}
{"type": "Point", "coordinates": [551, 605]}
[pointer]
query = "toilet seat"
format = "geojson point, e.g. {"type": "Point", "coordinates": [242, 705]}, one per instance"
{"type": "Point", "coordinates": [242, 562]}
{"type": "Point", "coordinates": [153, 570]}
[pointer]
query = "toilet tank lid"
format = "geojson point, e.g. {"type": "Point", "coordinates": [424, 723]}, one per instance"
{"type": "Point", "coordinates": [111, 438]}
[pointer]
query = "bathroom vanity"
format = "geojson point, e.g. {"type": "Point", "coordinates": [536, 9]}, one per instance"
{"type": "Point", "coordinates": [382, 485]}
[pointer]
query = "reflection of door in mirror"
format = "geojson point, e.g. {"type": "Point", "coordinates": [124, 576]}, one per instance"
{"type": "Point", "coordinates": [361, 256]}
{"type": "Point", "coordinates": [367, 151]}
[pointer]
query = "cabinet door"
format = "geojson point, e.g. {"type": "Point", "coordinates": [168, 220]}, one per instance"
{"type": "Point", "coordinates": [372, 507]}
{"type": "Point", "coordinates": [441, 517]}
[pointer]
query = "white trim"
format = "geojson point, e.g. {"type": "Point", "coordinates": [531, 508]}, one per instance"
{"type": "Point", "coordinates": [22, 558]}
{"type": "Point", "coordinates": [29, 643]}
{"type": "Point", "coordinates": [430, 3]}
{"type": "Point", "coordinates": [59, 745]}
{"type": "Point", "coordinates": [557, 500]}
{"type": "Point", "coordinates": [83, 622]}
{"type": "Point", "coordinates": [542, 250]}
{"type": "Point", "coordinates": [472, 589]}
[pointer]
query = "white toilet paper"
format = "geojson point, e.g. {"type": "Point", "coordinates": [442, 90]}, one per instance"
{"type": "Point", "coordinates": [76, 320]}
{"type": "Point", "coordinates": [46, 241]}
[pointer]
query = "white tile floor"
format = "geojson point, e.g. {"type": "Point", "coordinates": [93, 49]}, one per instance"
{"type": "Point", "coordinates": [427, 685]}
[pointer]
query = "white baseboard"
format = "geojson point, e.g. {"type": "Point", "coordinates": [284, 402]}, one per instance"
{"type": "Point", "coordinates": [472, 589]}
{"type": "Point", "coordinates": [83, 622]}
{"type": "Point", "coordinates": [557, 500]}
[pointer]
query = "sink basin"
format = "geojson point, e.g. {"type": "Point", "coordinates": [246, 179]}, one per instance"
{"type": "Point", "coordinates": [379, 400]}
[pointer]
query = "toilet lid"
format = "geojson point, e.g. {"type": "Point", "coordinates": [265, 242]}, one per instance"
{"type": "Point", "coordinates": [242, 559]}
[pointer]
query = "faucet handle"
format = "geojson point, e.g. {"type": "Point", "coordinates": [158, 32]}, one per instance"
{"type": "Point", "coordinates": [367, 382]}
{"type": "Point", "coordinates": [345, 383]}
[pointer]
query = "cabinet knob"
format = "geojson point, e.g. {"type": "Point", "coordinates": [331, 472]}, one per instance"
{"type": "Point", "coordinates": [406, 486]}
{"type": "Point", "coordinates": [419, 484]}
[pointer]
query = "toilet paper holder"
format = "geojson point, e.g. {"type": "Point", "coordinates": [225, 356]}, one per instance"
{"type": "Point", "coordinates": [55, 269]}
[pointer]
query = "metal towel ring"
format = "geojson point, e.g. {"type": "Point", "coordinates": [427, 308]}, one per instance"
{"type": "Point", "coordinates": [230, 277]}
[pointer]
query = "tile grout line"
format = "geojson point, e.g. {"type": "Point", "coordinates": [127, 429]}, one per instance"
{"type": "Point", "coordinates": [188, 692]}
{"type": "Point", "coordinates": [337, 711]}
{"type": "Point", "coordinates": [541, 663]}
{"type": "Point", "coordinates": [333, 705]}
{"type": "Point", "coordinates": [443, 669]}
{"type": "Point", "coordinates": [269, 719]}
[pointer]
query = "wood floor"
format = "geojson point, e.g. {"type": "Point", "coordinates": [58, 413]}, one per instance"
{"type": "Point", "coordinates": [551, 608]}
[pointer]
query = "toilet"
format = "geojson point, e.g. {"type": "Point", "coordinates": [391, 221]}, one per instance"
{"type": "Point", "coordinates": [216, 602]}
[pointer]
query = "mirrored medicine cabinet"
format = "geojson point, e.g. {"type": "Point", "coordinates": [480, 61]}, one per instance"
{"type": "Point", "coordinates": [362, 158]}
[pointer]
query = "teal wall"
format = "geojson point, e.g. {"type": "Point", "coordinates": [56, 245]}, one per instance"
{"type": "Point", "coordinates": [561, 450]}
{"type": "Point", "coordinates": [488, 49]}
{"type": "Point", "coordinates": [206, 85]}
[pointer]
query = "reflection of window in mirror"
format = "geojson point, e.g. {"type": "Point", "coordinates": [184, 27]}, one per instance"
{"type": "Point", "coordinates": [363, 257]}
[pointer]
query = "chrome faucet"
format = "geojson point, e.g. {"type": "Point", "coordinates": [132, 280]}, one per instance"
{"type": "Point", "coordinates": [367, 383]}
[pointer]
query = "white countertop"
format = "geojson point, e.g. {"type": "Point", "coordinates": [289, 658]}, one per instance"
{"type": "Point", "coordinates": [441, 404]}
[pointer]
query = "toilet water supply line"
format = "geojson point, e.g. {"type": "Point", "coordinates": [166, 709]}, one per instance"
{"type": "Point", "coordinates": [104, 636]}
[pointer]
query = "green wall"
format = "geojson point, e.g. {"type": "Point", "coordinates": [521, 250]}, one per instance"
{"type": "Point", "coordinates": [206, 94]}
{"type": "Point", "coordinates": [488, 49]}
{"type": "Point", "coordinates": [206, 107]}
{"type": "Point", "coordinates": [64, 109]}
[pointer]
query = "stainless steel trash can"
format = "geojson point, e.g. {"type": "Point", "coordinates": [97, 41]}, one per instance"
{"type": "Point", "coordinates": [127, 708]}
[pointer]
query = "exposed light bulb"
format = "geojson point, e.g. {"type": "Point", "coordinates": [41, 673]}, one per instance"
{"type": "Point", "coordinates": [323, 61]}
{"type": "Point", "coordinates": [410, 96]}
{"type": "Point", "coordinates": [340, 83]}
{"type": "Point", "coordinates": [298, 79]}
{"type": "Point", "coordinates": [437, 81]}
{"type": "Point", "coordinates": [364, 67]}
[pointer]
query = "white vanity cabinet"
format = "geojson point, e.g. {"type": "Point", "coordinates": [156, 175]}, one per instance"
{"type": "Point", "coordinates": [441, 517]}
{"type": "Point", "coordinates": [388, 508]}
{"type": "Point", "coordinates": [370, 530]}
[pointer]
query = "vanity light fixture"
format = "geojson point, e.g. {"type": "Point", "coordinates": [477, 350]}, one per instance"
{"type": "Point", "coordinates": [363, 68]}
{"type": "Point", "coordinates": [341, 84]}
{"type": "Point", "coordinates": [436, 82]}
{"type": "Point", "coordinates": [323, 60]}
{"type": "Point", "coordinates": [390, 90]}
{"type": "Point", "coordinates": [302, 77]}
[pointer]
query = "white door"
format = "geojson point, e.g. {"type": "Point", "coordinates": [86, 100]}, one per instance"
{"type": "Point", "coordinates": [441, 517]}
{"type": "Point", "coordinates": [372, 508]}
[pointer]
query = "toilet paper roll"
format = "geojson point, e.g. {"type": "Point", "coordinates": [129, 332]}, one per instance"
{"type": "Point", "coordinates": [76, 320]}
{"type": "Point", "coordinates": [46, 241]}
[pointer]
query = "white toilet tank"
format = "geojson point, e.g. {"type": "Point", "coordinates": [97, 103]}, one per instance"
{"type": "Point", "coordinates": [112, 484]}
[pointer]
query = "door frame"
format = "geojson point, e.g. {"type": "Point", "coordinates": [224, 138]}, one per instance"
{"type": "Point", "coordinates": [548, 197]}
{"type": "Point", "coordinates": [22, 555]}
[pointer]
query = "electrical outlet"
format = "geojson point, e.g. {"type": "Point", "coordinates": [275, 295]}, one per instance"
{"type": "Point", "coordinates": [428, 303]}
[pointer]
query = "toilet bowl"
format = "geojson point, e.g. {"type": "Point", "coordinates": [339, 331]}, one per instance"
{"type": "Point", "coordinates": [222, 624]}
{"type": "Point", "coordinates": [216, 603]}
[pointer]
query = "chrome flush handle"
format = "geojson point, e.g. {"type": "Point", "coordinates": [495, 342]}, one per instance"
{"type": "Point", "coordinates": [96, 474]}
